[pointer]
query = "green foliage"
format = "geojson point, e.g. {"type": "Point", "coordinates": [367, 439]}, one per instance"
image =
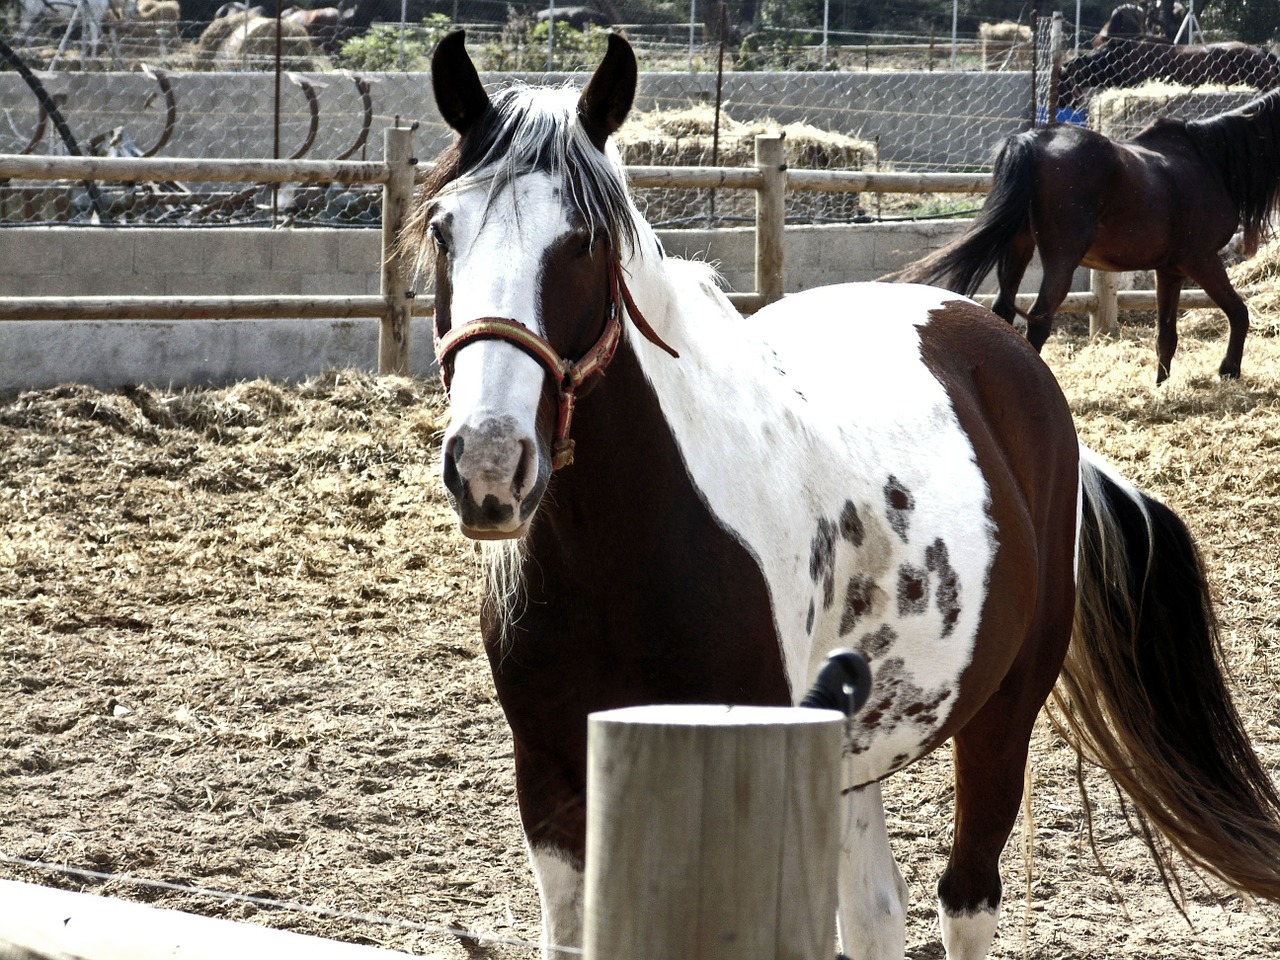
{"type": "Point", "coordinates": [524, 45]}
{"type": "Point", "coordinates": [1253, 21]}
{"type": "Point", "coordinates": [380, 48]}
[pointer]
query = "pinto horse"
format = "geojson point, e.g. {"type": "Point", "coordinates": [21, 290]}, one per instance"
{"type": "Point", "coordinates": [884, 467]}
{"type": "Point", "coordinates": [1168, 200]}
{"type": "Point", "coordinates": [1131, 62]}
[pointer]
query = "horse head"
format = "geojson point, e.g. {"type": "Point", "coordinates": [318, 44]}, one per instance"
{"type": "Point", "coordinates": [529, 219]}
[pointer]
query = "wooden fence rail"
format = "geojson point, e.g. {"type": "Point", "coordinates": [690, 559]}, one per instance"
{"type": "Point", "coordinates": [398, 172]}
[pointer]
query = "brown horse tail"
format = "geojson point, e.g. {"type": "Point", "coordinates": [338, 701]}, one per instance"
{"type": "Point", "coordinates": [1143, 692]}
{"type": "Point", "coordinates": [964, 263]}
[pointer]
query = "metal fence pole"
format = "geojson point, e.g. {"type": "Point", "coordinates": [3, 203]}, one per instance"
{"type": "Point", "coordinates": [771, 217]}
{"type": "Point", "coordinates": [397, 197]}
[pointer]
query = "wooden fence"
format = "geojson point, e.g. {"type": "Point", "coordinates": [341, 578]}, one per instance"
{"type": "Point", "coordinates": [398, 172]}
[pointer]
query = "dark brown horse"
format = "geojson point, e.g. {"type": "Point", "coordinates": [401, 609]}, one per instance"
{"type": "Point", "coordinates": [1130, 62]}
{"type": "Point", "coordinates": [683, 505]}
{"type": "Point", "coordinates": [1168, 200]}
{"type": "Point", "coordinates": [1129, 22]}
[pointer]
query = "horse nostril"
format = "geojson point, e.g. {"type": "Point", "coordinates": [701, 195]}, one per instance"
{"type": "Point", "coordinates": [526, 470]}
{"type": "Point", "coordinates": [452, 481]}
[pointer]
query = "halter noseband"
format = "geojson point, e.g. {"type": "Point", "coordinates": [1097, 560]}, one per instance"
{"type": "Point", "coordinates": [566, 375]}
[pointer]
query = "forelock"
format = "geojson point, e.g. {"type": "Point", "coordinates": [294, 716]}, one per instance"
{"type": "Point", "coordinates": [537, 130]}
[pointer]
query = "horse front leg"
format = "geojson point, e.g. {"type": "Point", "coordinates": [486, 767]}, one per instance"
{"type": "Point", "coordinates": [561, 891]}
{"type": "Point", "coordinates": [1212, 276]}
{"type": "Point", "coordinates": [872, 918]}
{"type": "Point", "coordinates": [554, 815]}
{"type": "Point", "coordinates": [1168, 290]}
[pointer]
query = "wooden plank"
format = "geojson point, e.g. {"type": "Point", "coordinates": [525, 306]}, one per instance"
{"type": "Point", "coordinates": [191, 169]}
{"type": "Point", "coordinates": [201, 308]}
{"type": "Point", "coordinates": [771, 218]}
{"type": "Point", "coordinates": [870, 181]}
{"type": "Point", "coordinates": [40, 923]}
{"type": "Point", "coordinates": [396, 281]}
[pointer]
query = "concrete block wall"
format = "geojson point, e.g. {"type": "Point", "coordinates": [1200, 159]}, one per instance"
{"type": "Point", "coordinates": [75, 261]}
{"type": "Point", "coordinates": [70, 261]}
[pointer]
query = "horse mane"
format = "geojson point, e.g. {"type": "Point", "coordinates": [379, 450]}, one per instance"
{"type": "Point", "coordinates": [529, 130]}
{"type": "Point", "coordinates": [1244, 145]}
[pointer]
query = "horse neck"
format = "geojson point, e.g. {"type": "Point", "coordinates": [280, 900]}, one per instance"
{"type": "Point", "coordinates": [626, 451]}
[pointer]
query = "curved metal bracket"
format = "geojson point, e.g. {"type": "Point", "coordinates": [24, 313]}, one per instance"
{"type": "Point", "coordinates": [366, 124]}
{"type": "Point", "coordinates": [313, 105]}
{"type": "Point", "coordinates": [161, 77]}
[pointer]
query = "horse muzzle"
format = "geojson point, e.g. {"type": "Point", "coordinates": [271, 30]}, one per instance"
{"type": "Point", "coordinates": [495, 477]}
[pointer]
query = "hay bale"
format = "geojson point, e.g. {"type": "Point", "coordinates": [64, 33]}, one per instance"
{"type": "Point", "coordinates": [1121, 112]}
{"type": "Point", "coordinates": [1005, 45]}
{"type": "Point", "coordinates": [238, 41]}
{"type": "Point", "coordinates": [255, 43]}
{"type": "Point", "coordinates": [685, 138]}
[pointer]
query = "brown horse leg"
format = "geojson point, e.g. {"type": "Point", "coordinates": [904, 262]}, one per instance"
{"type": "Point", "coordinates": [1053, 290]}
{"type": "Point", "coordinates": [1212, 276]}
{"type": "Point", "coordinates": [553, 812]}
{"type": "Point", "coordinates": [1009, 273]}
{"type": "Point", "coordinates": [990, 761]}
{"type": "Point", "coordinates": [1168, 289]}
{"type": "Point", "coordinates": [990, 764]}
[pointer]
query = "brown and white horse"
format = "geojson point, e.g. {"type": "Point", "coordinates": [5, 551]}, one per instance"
{"type": "Point", "coordinates": [683, 505]}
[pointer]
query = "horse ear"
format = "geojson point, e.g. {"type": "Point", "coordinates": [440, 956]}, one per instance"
{"type": "Point", "coordinates": [460, 95]}
{"type": "Point", "coordinates": [607, 99]}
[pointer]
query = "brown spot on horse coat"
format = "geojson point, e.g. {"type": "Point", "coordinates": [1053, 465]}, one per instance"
{"type": "Point", "coordinates": [859, 601]}
{"type": "Point", "coordinates": [947, 595]}
{"type": "Point", "coordinates": [851, 527]}
{"type": "Point", "coordinates": [898, 506]}
{"type": "Point", "coordinates": [822, 560]}
{"type": "Point", "coordinates": [913, 586]}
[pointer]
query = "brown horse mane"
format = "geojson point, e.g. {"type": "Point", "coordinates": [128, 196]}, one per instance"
{"type": "Point", "coordinates": [1244, 145]}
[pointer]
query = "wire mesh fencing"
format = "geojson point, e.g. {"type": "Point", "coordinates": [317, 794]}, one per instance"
{"type": "Point", "coordinates": [188, 78]}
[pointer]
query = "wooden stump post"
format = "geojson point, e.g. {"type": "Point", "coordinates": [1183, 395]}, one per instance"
{"type": "Point", "coordinates": [771, 217]}
{"type": "Point", "coordinates": [1104, 318]}
{"type": "Point", "coordinates": [712, 833]}
{"type": "Point", "coordinates": [397, 197]}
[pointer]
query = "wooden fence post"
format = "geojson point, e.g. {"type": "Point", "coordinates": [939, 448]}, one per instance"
{"type": "Point", "coordinates": [771, 217]}
{"type": "Point", "coordinates": [397, 197]}
{"type": "Point", "coordinates": [1104, 317]}
{"type": "Point", "coordinates": [712, 833]}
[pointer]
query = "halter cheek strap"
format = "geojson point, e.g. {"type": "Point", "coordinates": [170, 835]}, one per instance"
{"type": "Point", "coordinates": [567, 376]}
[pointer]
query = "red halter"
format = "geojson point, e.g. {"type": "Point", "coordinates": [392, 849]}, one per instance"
{"type": "Point", "coordinates": [567, 376]}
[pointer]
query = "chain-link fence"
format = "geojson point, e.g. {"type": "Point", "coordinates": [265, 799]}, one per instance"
{"type": "Point", "coordinates": [189, 78]}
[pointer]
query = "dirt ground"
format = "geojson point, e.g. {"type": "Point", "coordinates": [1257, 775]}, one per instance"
{"type": "Point", "coordinates": [238, 651]}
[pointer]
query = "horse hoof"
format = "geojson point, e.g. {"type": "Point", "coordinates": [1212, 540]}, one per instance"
{"type": "Point", "coordinates": [1229, 372]}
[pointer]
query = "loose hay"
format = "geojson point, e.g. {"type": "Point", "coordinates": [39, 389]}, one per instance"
{"type": "Point", "coordinates": [239, 650]}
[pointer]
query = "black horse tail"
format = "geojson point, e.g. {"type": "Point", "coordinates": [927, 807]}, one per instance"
{"type": "Point", "coordinates": [1143, 692]}
{"type": "Point", "coordinates": [964, 263]}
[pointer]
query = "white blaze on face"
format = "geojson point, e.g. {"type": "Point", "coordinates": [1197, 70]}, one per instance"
{"type": "Point", "coordinates": [498, 247]}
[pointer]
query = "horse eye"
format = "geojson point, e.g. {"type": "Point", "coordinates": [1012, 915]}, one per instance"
{"type": "Point", "coordinates": [438, 237]}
